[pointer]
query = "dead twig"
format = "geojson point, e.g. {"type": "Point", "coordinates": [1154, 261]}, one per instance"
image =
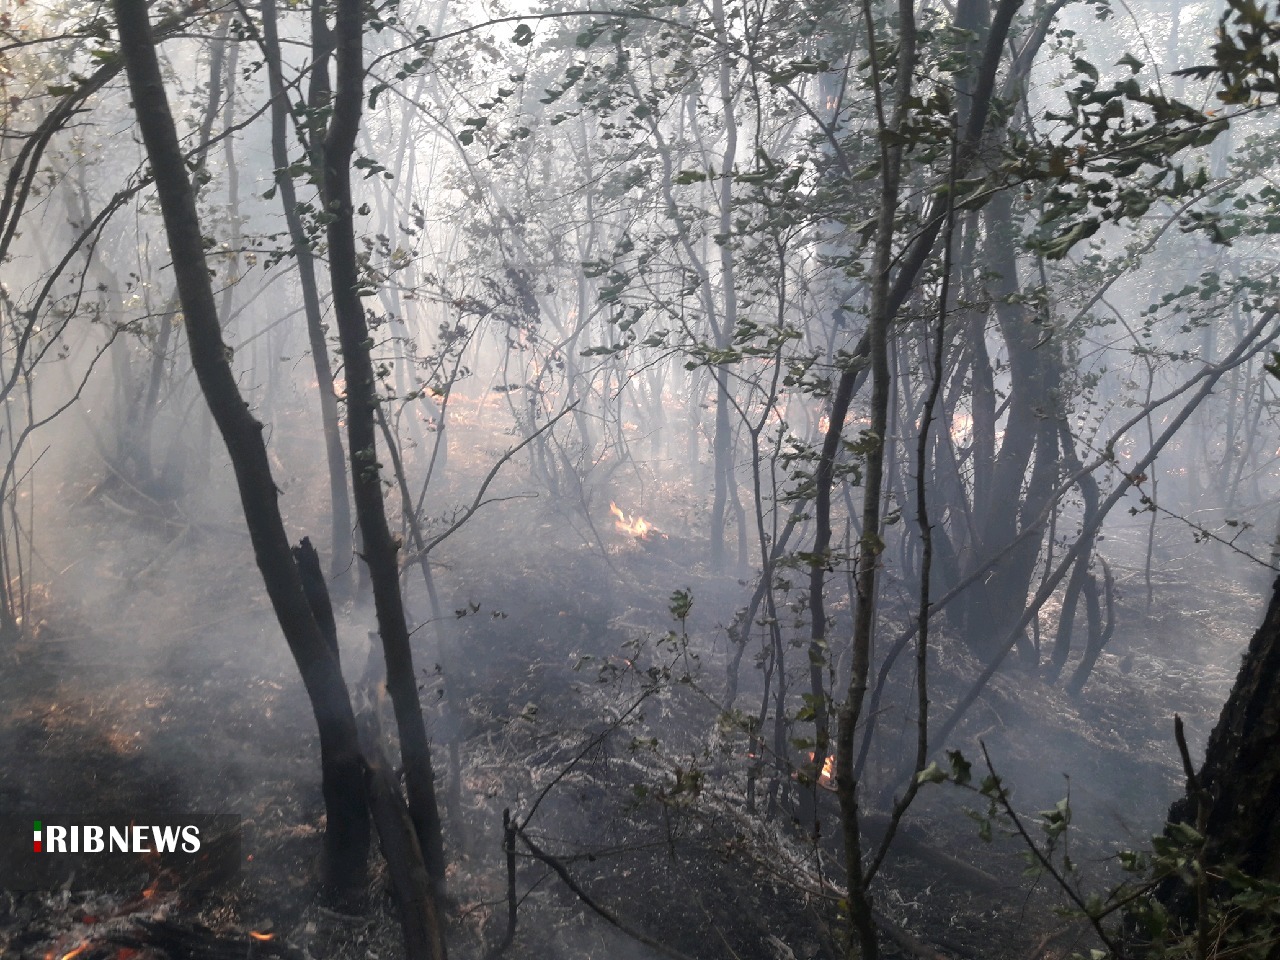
{"type": "Point", "coordinates": [591, 744]}
{"type": "Point", "coordinates": [479, 500]}
{"type": "Point", "coordinates": [1001, 796]}
{"type": "Point", "coordinates": [1062, 932]}
{"type": "Point", "coordinates": [603, 912]}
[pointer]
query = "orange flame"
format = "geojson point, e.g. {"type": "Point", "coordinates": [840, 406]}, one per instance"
{"type": "Point", "coordinates": [637, 527]}
{"type": "Point", "coordinates": [261, 936]}
{"type": "Point", "coordinates": [77, 951]}
{"type": "Point", "coordinates": [827, 778]}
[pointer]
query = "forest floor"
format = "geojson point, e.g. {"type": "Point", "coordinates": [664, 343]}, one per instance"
{"type": "Point", "coordinates": [157, 680]}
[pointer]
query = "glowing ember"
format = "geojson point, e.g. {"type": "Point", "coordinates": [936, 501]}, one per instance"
{"type": "Point", "coordinates": [77, 951]}
{"type": "Point", "coordinates": [638, 527]}
{"type": "Point", "coordinates": [261, 936]}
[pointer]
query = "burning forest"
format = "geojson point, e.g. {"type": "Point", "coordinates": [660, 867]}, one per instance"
{"type": "Point", "coordinates": [692, 480]}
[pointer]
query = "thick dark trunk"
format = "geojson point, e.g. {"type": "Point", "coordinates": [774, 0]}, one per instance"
{"type": "Point", "coordinates": [313, 585]}
{"type": "Point", "coordinates": [410, 885]}
{"type": "Point", "coordinates": [378, 546]}
{"type": "Point", "coordinates": [1079, 576]}
{"type": "Point", "coordinates": [347, 833]}
{"type": "Point", "coordinates": [1099, 634]}
{"type": "Point", "coordinates": [995, 602]}
{"type": "Point", "coordinates": [1241, 772]}
{"type": "Point", "coordinates": [339, 501]}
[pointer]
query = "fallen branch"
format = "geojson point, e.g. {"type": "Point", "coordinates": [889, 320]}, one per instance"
{"type": "Point", "coordinates": [911, 843]}
{"type": "Point", "coordinates": [604, 912]}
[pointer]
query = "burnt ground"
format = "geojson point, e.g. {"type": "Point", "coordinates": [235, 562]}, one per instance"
{"type": "Point", "coordinates": [157, 680]}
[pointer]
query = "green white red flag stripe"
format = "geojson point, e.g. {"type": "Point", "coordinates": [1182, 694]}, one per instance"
{"type": "Point", "coordinates": [37, 823]}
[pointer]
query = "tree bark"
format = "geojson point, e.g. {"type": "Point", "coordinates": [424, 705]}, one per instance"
{"type": "Point", "coordinates": [339, 500]}
{"type": "Point", "coordinates": [347, 831]}
{"type": "Point", "coordinates": [1241, 771]}
{"type": "Point", "coordinates": [864, 944]}
{"type": "Point", "coordinates": [1031, 429]}
{"type": "Point", "coordinates": [379, 547]}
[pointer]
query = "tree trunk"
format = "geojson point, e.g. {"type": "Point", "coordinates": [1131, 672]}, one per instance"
{"type": "Point", "coordinates": [347, 832]}
{"type": "Point", "coordinates": [378, 545]}
{"type": "Point", "coordinates": [339, 501]}
{"type": "Point", "coordinates": [1031, 429]}
{"type": "Point", "coordinates": [1241, 772]}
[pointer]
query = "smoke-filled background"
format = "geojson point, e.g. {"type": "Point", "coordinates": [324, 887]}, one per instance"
{"type": "Point", "coordinates": [760, 388]}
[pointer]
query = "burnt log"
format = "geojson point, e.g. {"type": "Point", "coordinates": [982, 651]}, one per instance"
{"type": "Point", "coordinates": [193, 941]}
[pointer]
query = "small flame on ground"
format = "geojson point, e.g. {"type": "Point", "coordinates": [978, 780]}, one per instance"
{"type": "Point", "coordinates": [827, 778]}
{"type": "Point", "coordinates": [261, 936]}
{"type": "Point", "coordinates": [77, 951]}
{"type": "Point", "coordinates": [637, 527]}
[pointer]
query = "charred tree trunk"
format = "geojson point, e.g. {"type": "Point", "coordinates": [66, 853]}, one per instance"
{"type": "Point", "coordinates": [347, 832]}
{"type": "Point", "coordinates": [1241, 771]}
{"type": "Point", "coordinates": [339, 500]}
{"type": "Point", "coordinates": [1079, 576]}
{"type": "Point", "coordinates": [378, 545]}
{"type": "Point", "coordinates": [1030, 441]}
{"type": "Point", "coordinates": [1099, 635]}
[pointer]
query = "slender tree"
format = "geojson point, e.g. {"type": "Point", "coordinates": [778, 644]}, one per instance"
{"type": "Point", "coordinates": [379, 547]}
{"type": "Point", "coordinates": [339, 501]}
{"type": "Point", "coordinates": [347, 829]}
